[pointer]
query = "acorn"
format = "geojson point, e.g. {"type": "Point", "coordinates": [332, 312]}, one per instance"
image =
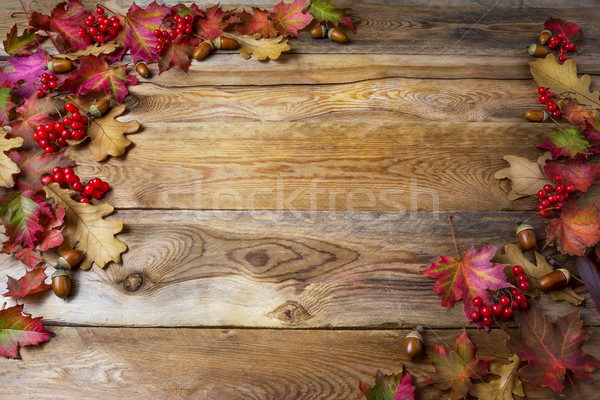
{"type": "Point", "coordinates": [99, 108]}
{"type": "Point", "coordinates": [318, 31]}
{"type": "Point", "coordinates": [203, 50]}
{"type": "Point", "coordinates": [526, 236]}
{"type": "Point", "coordinates": [70, 259]}
{"type": "Point", "coordinates": [337, 36]}
{"type": "Point", "coordinates": [60, 65]}
{"type": "Point", "coordinates": [554, 280]}
{"type": "Point", "coordinates": [545, 36]}
{"type": "Point", "coordinates": [413, 344]}
{"type": "Point", "coordinates": [537, 115]}
{"type": "Point", "coordinates": [225, 43]}
{"type": "Point", "coordinates": [537, 50]}
{"type": "Point", "coordinates": [142, 69]}
{"type": "Point", "coordinates": [61, 283]}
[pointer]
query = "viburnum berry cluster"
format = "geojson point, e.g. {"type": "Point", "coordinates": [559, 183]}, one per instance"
{"type": "Point", "coordinates": [546, 97]}
{"type": "Point", "coordinates": [553, 197]}
{"type": "Point", "coordinates": [96, 188]}
{"type": "Point", "coordinates": [173, 28]}
{"type": "Point", "coordinates": [48, 82]}
{"type": "Point", "coordinates": [99, 28]}
{"type": "Point", "coordinates": [53, 135]}
{"type": "Point", "coordinates": [561, 41]}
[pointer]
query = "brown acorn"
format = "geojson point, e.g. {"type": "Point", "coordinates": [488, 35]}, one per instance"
{"type": "Point", "coordinates": [99, 108]}
{"type": "Point", "coordinates": [60, 65]}
{"type": "Point", "coordinates": [225, 43]}
{"type": "Point", "coordinates": [203, 50]}
{"type": "Point", "coordinates": [413, 344]}
{"type": "Point", "coordinates": [537, 50]}
{"type": "Point", "coordinates": [537, 115]}
{"type": "Point", "coordinates": [545, 36]}
{"type": "Point", "coordinates": [554, 280]}
{"type": "Point", "coordinates": [142, 69]}
{"type": "Point", "coordinates": [526, 236]}
{"type": "Point", "coordinates": [318, 31]}
{"type": "Point", "coordinates": [337, 36]}
{"type": "Point", "coordinates": [70, 259]}
{"type": "Point", "coordinates": [61, 283]}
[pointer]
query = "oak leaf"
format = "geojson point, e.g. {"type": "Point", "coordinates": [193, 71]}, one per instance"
{"type": "Point", "coordinates": [526, 177]}
{"type": "Point", "coordinates": [578, 172]}
{"type": "Point", "coordinates": [390, 387]}
{"type": "Point", "coordinates": [504, 387]}
{"type": "Point", "coordinates": [260, 48]}
{"type": "Point", "coordinates": [562, 78]}
{"type": "Point", "coordinates": [289, 18]}
{"type": "Point", "coordinates": [62, 25]}
{"type": "Point", "coordinates": [8, 166]}
{"type": "Point", "coordinates": [325, 10]}
{"type": "Point", "coordinates": [256, 23]}
{"type": "Point", "coordinates": [18, 330]}
{"type": "Point", "coordinates": [550, 349]}
{"type": "Point", "coordinates": [589, 272]}
{"type": "Point", "coordinates": [85, 224]}
{"type": "Point", "coordinates": [16, 45]}
{"type": "Point", "coordinates": [455, 370]}
{"type": "Point", "coordinates": [575, 230]}
{"type": "Point", "coordinates": [30, 283]}
{"type": "Point", "coordinates": [92, 50]}
{"type": "Point", "coordinates": [513, 255]}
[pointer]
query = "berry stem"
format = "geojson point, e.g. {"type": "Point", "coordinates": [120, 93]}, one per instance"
{"type": "Point", "coordinates": [106, 8]}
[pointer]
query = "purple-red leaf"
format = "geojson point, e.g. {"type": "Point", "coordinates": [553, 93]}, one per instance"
{"type": "Point", "coordinates": [575, 230]}
{"type": "Point", "coordinates": [17, 330]}
{"type": "Point", "coordinates": [177, 53]}
{"type": "Point", "coordinates": [578, 172]}
{"type": "Point", "coordinates": [389, 387]}
{"type": "Point", "coordinates": [572, 31]}
{"type": "Point", "coordinates": [32, 113]}
{"type": "Point", "coordinates": [212, 25]}
{"type": "Point", "coordinates": [62, 26]}
{"type": "Point", "coordinates": [589, 272]}
{"type": "Point", "coordinates": [27, 71]}
{"type": "Point", "coordinates": [289, 18]}
{"type": "Point", "coordinates": [30, 283]}
{"type": "Point", "coordinates": [16, 45]}
{"type": "Point", "coordinates": [257, 22]}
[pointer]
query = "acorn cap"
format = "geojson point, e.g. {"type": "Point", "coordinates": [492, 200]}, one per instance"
{"type": "Point", "coordinates": [566, 273]}
{"type": "Point", "coordinates": [60, 272]}
{"type": "Point", "coordinates": [524, 227]}
{"type": "Point", "coordinates": [416, 334]}
{"type": "Point", "coordinates": [61, 263]}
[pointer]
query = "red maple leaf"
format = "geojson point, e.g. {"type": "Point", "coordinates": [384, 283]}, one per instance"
{"type": "Point", "coordinates": [257, 22]}
{"type": "Point", "coordinates": [289, 18]}
{"type": "Point", "coordinates": [212, 25]}
{"type": "Point", "coordinates": [16, 45]}
{"type": "Point", "coordinates": [578, 172]}
{"type": "Point", "coordinates": [183, 10]}
{"type": "Point", "coordinates": [62, 25]}
{"type": "Point", "coordinates": [575, 230]}
{"type": "Point", "coordinates": [455, 369]}
{"type": "Point", "coordinates": [32, 113]}
{"type": "Point", "coordinates": [26, 72]}
{"type": "Point", "coordinates": [550, 349]}
{"type": "Point", "coordinates": [589, 272]}
{"type": "Point", "coordinates": [571, 30]}
{"type": "Point", "coordinates": [18, 330]}
{"type": "Point", "coordinates": [6, 103]}
{"type": "Point", "coordinates": [34, 164]}
{"type": "Point", "coordinates": [575, 112]}
{"type": "Point", "coordinates": [177, 53]}
{"type": "Point", "coordinates": [390, 387]}
{"type": "Point", "coordinates": [325, 10]}
{"type": "Point", "coordinates": [468, 277]}
{"type": "Point", "coordinates": [30, 283]}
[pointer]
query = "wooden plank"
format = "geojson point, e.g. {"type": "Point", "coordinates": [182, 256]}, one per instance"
{"type": "Point", "coordinates": [101, 363]}
{"type": "Point", "coordinates": [278, 269]}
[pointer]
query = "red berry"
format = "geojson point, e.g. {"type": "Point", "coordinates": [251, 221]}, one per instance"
{"type": "Point", "coordinates": [477, 301]}
{"type": "Point", "coordinates": [49, 149]}
{"type": "Point", "coordinates": [96, 182]}
{"type": "Point", "coordinates": [103, 27]}
{"type": "Point", "coordinates": [88, 189]}
{"type": "Point", "coordinates": [544, 213]}
{"type": "Point", "coordinates": [486, 311]}
{"type": "Point", "coordinates": [84, 200]}
{"type": "Point", "coordinates": [520, 298]}
{"type": "Point", "coordinates": [76, 116]}
{"type": "Point", "coordinates": [97, 194]}
{"type": "Point", "coordinates": [505, 301]}
{"type": "Point", "coordinates": [551, 105]}
{"type": "Point", "coordinates": [58, 177]}
{"type": "Point", "coordinates": [45, 77]}
{"type": "Point", "coordinates": [488, 321]}
{"type": "Point", "coordinates": [545, 203]}
{"type": "Point", "coordinates": [569, 188]}
{"type": "Point", "coordinates": [43, 143]}
{"type": "Point", "coordinates": [543, 98]}
{"type": "Point", "coordinates": [116, 25]}
{"type": "Point", "coordinates": [517, 270]}
{"type": "Point", "coordinates": [475, 316]}
{"type": "Point", "coordinates": [84, 120]}
{"type": "Point", "coordinates": [496, 309]}
{"type": "Point", "coordinates": [541, 194]}
{"type": "Point", "coordinates": [52, 137]}
{"type": "Point", "coordinates": [550, 94]}
{"type": "Point", "coordinates": [113, 32]}
{"type": "Point", "coordinates": [53, 84]}
{"type": "Point", "coordinates": [99, 38]}
{"type": "Point", "coordinates": [523, 278]}
{"type": "Point", "coordinates": [100, 10]}
{"type": "Point", "coordinates": [555, 114]}
{"type": "Point", "coordinates": [524, 285]}
{"type": "Point", "coordinates": [552, 198]}
{"type": "Point", "coordinates": [507, 313]}
{"type": "Point", "coordinates": [65, 133]}
{"type": "Point", "coordinates": [77, 186]}
{"type": "Point", "coordinates": [188, 18]}
{"type": "Point", "coordinates": [560, 198]}
{"type": "Point", "coordinates": [560, 35]}
{"type": "Point", "coordinates": [562, 58]}
{"type": "Point", "coordinates": [514, 305]}
{"type": "Point", "coordinates": [548, 188]}
{"type": "Point", "coordinates": [70, 107]}
{"type": "Point", "coordinates": [47, 179]}
{"type": "Point", "coordinates": [57, 170]}
{"type": "Point", "coordinates": [104, 188]}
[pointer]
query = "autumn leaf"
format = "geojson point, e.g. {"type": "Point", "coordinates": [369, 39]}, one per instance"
{"type": "Point", "coordinates": [92, 50]}
{"type": "Point", "coordinates": [455, 370]}
{"type": "Point", "coordinates": [591, 130]}
{"type": "Point", "coordinates": [390, 387]}
{"type": "Point", "coordinates": [590, 275]}
{"type": "Point", "coordinates": [562, 78]}
{"type": "Point", "coordinates": [85, 224]}
{"type": "Point", "coordinates": [504, 387]}
{"type": "Point", "coordinates": [289, 18]}
{"type": "Point", "coordinates": [526, 177]}
{"type": "Point", "coordinates": [550, 349]}
{"type": "Point", "coordinates": [256, 23]}
{"type": "Point", "coordinates": [212, 25]}
{"type": "Point", "coordinates": [16, 45]}
{"type": "Point", "coordinates": [17, 330]}
{"type": "Point", "coordinates": [571, 30]}
{"type": "Point", "coordinates": [34, 164]}
{"type": "Point", "coordinates": [465, 278]}
{"type": "Point", "coordinates": [6, 104]}
{"type": "Point", "coordinates": [324, 10]}
{"type": "Point", "coordinates": [26, 70]}
{"type": "Point", "coordinates": [575, 230]}
{"type": "Point", "coordinates": [32, 113]}
{"type": "Point", "coordinates": [138, 27]}
{"type": "Point", "coordinates": [62, 25]}
{"type": "Point", "coordinates": [21, 214]}
{"type": "Point", "coordinates": [7, 166]}
{"type": "Point", "coordinates": [566, 143]}
{"type": "Point", "coordinates": [177, 53]}
{"type": "Point", "coordinates": [575, 112]}
{"type": "Point", "coordinates": [260, 48]}
{"type": "Point", "coordinates": [30, 283]}
{"type": "Point", "coordinates": [578, 172]}
{"type": "Point", "coordinates": [183, 10]}
{"type": "Point", "coordinates": [513, 255]}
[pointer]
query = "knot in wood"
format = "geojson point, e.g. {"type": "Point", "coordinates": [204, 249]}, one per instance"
{"type": "Point", "coordinates": [133, 282]}
{"type": "Point", "coordinates": [290, 312]}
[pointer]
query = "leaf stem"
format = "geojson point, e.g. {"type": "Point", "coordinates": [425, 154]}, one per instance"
{"type": "Point", "coordinates": [453, 237]}
{"type": "Point", "coordinates": [575, 386]}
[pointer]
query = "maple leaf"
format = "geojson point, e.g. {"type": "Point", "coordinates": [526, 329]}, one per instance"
{"type": "Point", "coordinates": [566, 143]}
{"type": "Point", "coordinates": [260, 47]}
{"type": "Point", "coordinates": [324, 10]}
{"type": "Point", "coordinates": [575, 230]}
{"type": "Point", "coordinates": [16, 45]}
{"type": "Point", "coordinates": [6, 103]}
{"type": "Point", "coordinates": [590, 275]}
{"type": "Point", "coordinates": [526, 177]}
{"type": "Point", "coordinates": [177, 53]}
{"type": "Point", "coordinates": [62, 25]}
{"type": "Point", "coordinates": [455, 369]}
{"type": "Point", "coordinates": [32, 113]}
{"type": "Point", "coordinates": [95, 74]}
{"type": "Point", "coordinates": [7, 166]}
{"type": "Point", "coordinates": [85, 224]}
{"type": "Point", "coordinates": [468, 277]}
{"type": "Point", "coordinates": [183, 10]}
{"type": "Point", "coordinates": [30, 283]}
{"type": "Point", "coordinates": [570, 29]}
{"type": "Point", "coordinates": [578, 172]}
{"type": "Point", "coordinates": [390, 387]}
{"type": "Point", "coordinates": [591, 130]}
{"type": "Point", "coordinates": [550, 349]}
{"type": "Point", "coordinates": [289, 18]}
{"type": "Point", "coordinates": [513, 255]}
{"type": "Point", "coordinates": [575, 112]}
{"type": "Point", "coordinates": [212, 25]}
{"type": "Point", "coordinates": [562, 79]}
{"type": "Point", "coordinates": [26, 71]}
{"type": "Point", "coordinates": [256, 23]}
{"type": "Point", "coordinates": [18, 330]}
{"type": "Point", "coordinates": [21, 214]}
{"type": "Point", "coordinates": [34, 164]}
{"type": "Point", "coordinates": [504, 387]}
{"type": "Point", "coordinates": [138, 30]}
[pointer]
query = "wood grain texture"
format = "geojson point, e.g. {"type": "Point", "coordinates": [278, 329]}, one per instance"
{"type": "Point", "coordinates": [101, 363]}
{"type": "Point", "coordinates": [280, 269]}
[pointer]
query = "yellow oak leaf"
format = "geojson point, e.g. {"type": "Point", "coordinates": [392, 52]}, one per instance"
{"type": "Point", "coordinates": [92, 50]}
{"type": "Point", "coordinates": [504, 387]}
{"type": "Point", "coordinates": [8, 166]}
{"type": "Point", "coordinates": [563, 81]}
{"type": "Point", "coordinates": [85, 224]}
{"type": "Point", "coordinates": [527, 177]}
{"type": "Point", "coordinates": [261, 48]}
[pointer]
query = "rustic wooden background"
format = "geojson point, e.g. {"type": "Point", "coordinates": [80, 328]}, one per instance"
{"type": "Point", "coordinates": [279, 213]}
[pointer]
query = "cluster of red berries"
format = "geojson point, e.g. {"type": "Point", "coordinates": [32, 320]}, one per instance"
{"type": "Point", "coordinates": [99, 28]}
{"type": "Point", "coordinates": [552, 197]}
{"type": "Point", "coordinates": [546, 97]}
{"type": "Point", "coordinates": [95, 188]}
{"type": "Point", "coordinates": [174, 28]}
{"type": "Point", "coordinates": [565, 45]}
{"type": "Point", "coordinates": [53, 135]}
{"type": "Point", "coordinates": [48, 82]}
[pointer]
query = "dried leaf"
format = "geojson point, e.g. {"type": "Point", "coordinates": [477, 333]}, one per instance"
{"type": "Point", "coordinates": [504, 387]}
{"type": "Point", "coordinates": [288, 19]}
{"type": "Point", "coordinates": [580, 173]}
{"type": "Point", "coordinates": [62, 25]}
{"type": "Point", "coordinates": [92, 50]}
{"type": "Point", "coordinates": [261, 48]}
{"type": "Point", "coordinates": [30, 283]}
{"type": "Point", "coordinates": [85, 224]}
{"type": "Point", "coordinates": [18, 330]}
{"type": "Point", "coordinates": [8, 166]}
{"type": "Point", "coordinates": [526, 176]}
{"type": "Point", "coordinates": [562, 79]}
{"type": "Point", "coordinates": [513, 255]}
{"type": "Point", "coordinates": [325, 10]}
{"type": "Point", "coordinates": [575, 230]}
{"type": "Point", "coordinates": [590, 275]}
{"type": "Point", "coordinates": [390, 387]}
